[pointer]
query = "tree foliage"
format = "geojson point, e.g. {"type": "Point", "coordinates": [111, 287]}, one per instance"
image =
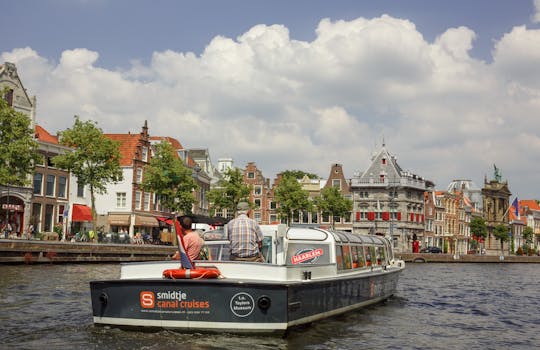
{"type": "Point", "coordinates": [332, 202]}
{"type": "Point", "coordinates": [528, 234]}
{"type": "Point", "coordinates": [500, 232]}
{"type": "Point", "coordinates": [18, 148]}
{"type": "Point", "coordinates": [299, 174]}
{"type": "Point", "coordinates": [478, 227]}
{"type": "Point", "coordinates": [168, 177]}
{"type": "Point", "coordinates": [291, 198]}
{"type": "Point", "coordinates": [94, 160]}
{"type": "Point", "coordinates": [229, 192]}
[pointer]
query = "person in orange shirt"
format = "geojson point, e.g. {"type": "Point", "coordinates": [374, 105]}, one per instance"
{"type": "Point", "coordinates": [192, 241]}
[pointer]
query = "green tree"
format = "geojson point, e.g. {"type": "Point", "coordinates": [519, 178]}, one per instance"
{"type": "Point", "coordinates": [94, 160]}
{"type": "Point", "coordinates": [501, 233]}
{"type": "Point", "coordinates": [229, 192]}
{"type": "Point", "coordinates": [478, 227]}
{"type": "Point", "coordinates": [332, 202]}
{"type": "Point", "coordinates": [168, 177]}
{"type": "Point", "coordinates": [18, 148]}
{"type": "Point", "coordinates": [528, 234]}
{"type": "Point", "coordinates": [291, 198]}
{"type": "Point", "coordinates": [299, 174]}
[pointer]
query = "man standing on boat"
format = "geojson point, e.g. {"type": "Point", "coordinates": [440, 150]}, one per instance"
{"type": "Point", "coordinates": [245, 236]}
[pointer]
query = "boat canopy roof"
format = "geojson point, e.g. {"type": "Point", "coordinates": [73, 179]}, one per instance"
{"type": "Point", "coordinates": [316, 234]}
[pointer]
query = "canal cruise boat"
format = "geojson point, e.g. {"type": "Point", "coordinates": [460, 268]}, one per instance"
{"type": "Point", "coordinates": [309, 274]}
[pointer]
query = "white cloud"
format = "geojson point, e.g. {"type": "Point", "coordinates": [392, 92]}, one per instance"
{"type": "Point", "coordinates": [289, 104]}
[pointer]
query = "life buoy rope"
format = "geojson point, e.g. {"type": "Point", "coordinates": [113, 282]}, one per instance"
{"type": "Point", "coordinates": [191, 273]}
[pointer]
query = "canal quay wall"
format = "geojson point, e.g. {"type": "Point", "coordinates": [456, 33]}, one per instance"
{"type": "Point", "coordinates": [466, 258]}
{"type": "Point", "coordinates": [18, 251]}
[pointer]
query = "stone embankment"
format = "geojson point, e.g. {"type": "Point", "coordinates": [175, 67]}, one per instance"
{"type": "Point", "coordinates": [29, 251]}
{"type": "Point", "coordinates": [467, 258]}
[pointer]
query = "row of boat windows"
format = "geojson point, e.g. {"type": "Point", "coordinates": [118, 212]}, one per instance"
{"type": "Point", "coordinates": [352, 256]}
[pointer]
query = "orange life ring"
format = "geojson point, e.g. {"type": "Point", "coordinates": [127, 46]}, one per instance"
{"type": "Point", "coordinates": [191, 273]}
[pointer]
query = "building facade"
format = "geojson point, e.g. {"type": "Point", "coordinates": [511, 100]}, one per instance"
{"type": "Point", "coordinates": [389, 201]}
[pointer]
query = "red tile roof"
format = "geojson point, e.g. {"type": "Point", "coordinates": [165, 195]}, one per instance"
{"type": "Point", "coordinates": [44, 136]}
{"type": "Point", "coordinates": [128, 146]}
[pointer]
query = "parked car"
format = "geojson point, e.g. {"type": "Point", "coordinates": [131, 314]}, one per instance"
{"type": "Point", "coordinates": [431, 250]}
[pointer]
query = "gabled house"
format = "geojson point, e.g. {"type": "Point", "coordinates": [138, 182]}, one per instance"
{"type": "Point", "coordinates": [389, 201]}
{"type": "Point", "coordinates": [125, 206]}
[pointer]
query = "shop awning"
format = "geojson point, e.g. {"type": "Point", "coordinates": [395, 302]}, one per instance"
{"type": "Point", "coordinates": [118, 219]}
{"type": "Point", "coordinates": [165, 220]}
{"type": "Point", "coordinates": [148, 221]}
{"type": "Point", "coordinates": [81, 213]}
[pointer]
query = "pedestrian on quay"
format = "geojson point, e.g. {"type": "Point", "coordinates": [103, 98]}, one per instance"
{"type": "Point", "coordinates": [245, 236]}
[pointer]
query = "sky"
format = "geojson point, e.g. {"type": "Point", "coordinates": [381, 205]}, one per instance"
{"type": "Point", "coordinates": [452, 88]}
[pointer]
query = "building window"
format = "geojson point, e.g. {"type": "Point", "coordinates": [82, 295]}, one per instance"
{"type": "Point", "coordinates": [257, 190]}
{"type": "Point", "coordinates": [273, 205]}
{"type": "Point", "coordinates": [9, 97]}
{"type": "Point", "coordinates": [62, 181]}
{"type": "Point", "coordinates": [49, 189]}
{"type": "Point", "coordinates": [257, 216]}
{"type": "Point", "coordinates": [325, 218]}
{"type": "Point", "coordinates": [273, 218]}
{"type": "Point", "coordinates": [144, 154]}
{"type": "Point", "coordinates": [80, 189]}
{"type": "Point", "coordinates": [138, 200]}
{"type": "Point", "coordinates": [381, 177]}
{"type": "Point", "coordinates": [121, 199]}
{"type": "Point", "coordinates": [314, 218]}
{"type": "Point", "coordinates": [384, 161]}
{"type": "Point", "coordinates": [61, 209]}
{"type": "Point", "coordinates": [38, 183]}
{"type": "Point", "coordinates": [147, 201]}
{"type": "Point", "coordinates": [139, 175]}
{"type": "Point", "coordinates": [257, 203]}
{"type": "Point", "coordinates": [49, 209]}
{"type": "Point", "coordinates": [251, 175]}
{"type": "Point", "coordinates": [336, 183]}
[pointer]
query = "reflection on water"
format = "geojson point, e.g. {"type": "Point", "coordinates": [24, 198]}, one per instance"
{"type": "Point", "coordinates": [438, 306]}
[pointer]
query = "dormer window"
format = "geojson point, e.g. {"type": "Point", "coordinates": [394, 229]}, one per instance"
{"type": "Point", "coordinates": [384, 161]}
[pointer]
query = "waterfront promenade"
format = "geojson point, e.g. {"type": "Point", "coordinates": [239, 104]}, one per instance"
{"type": "Point", "coordinates": [16, 251]}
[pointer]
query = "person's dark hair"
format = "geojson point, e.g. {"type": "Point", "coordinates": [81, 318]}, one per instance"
{"type": "Point", "coordinates": [185, 222]}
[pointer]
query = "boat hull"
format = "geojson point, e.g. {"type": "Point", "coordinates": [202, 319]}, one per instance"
{"type": "Point", "coordinates": [234, 305]}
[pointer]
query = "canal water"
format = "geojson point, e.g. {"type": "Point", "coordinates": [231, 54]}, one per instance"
{"type": "Point", "coordinates": [437, 306]}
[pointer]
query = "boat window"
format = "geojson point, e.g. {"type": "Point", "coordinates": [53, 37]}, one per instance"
{"type": "Point", "coordinates": [339, 257]}
{"type": "Point", "coordinates": [308, 253]}
{"type": "Point", "coordinates": [382, 255]}
{"type": "Point", "coordinates": [347, 258]}
{"type": "Point", "coordinates": [367, 254]}
{"type": "Point", "coordinates": [374, 258]}
{"type": "Point", "coordinates": [267, 248]}
{"type": "Point", "coordinates": [361, 257]}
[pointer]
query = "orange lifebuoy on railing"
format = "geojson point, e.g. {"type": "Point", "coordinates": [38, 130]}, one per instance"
{"type": "Point", "coordinates": [191, 273]}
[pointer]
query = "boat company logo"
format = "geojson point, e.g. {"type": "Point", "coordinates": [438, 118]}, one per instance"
{"type": "Point", "coordinates": [242, 304]}
{"type": "Point", "coordinates": [170, 300]}
{"type": "Point", "coordinates": [306, 256]}
{"type": "Point", "coordinates": [147, 299]}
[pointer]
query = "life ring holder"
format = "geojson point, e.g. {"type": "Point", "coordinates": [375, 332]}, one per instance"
{"type": "Point", "coordinates": [198, 273]}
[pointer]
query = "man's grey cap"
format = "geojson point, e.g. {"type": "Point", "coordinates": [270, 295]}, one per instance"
{"type": "Point", "coordinates": [243, 206]}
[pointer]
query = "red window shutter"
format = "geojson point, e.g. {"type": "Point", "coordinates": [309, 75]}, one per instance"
{"type": "Point", "coordinates": [371, 216]}
{"type": "Point", "coordinates": [399, 216]}
{"type": "Point", "coordinates": [411, 217]}
{"type": "Point", "coordinates": [423, 218]}
{"type": "Point", "coordinates": [357, 216]}
{"type": "Point", "coordinates": [386, 216]}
